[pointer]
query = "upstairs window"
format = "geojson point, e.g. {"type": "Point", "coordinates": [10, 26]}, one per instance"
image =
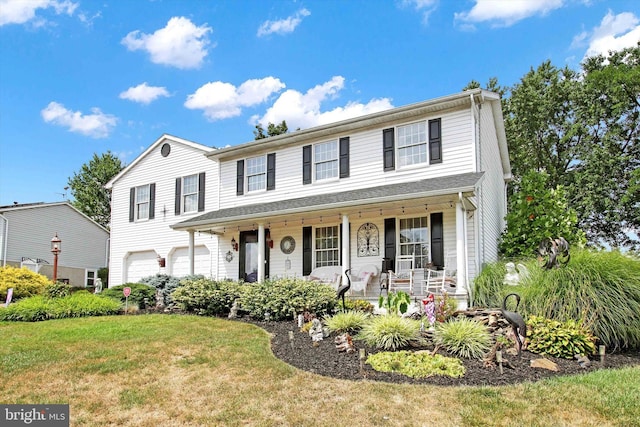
{"type": "Point", "coordinates": [325, 159]}
{"type": "Point", "coordinates": [189, 196]}
{"type": "Point", "coordinates": [256, 174]}
{"type": "Point", "coordinates": [142, 202]}
{"type": "Point", "coordinates": [412, 144]}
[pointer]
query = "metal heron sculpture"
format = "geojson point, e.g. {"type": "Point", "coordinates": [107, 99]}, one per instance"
{"type": "Point", "coordinates": [516, 321]}
{"type": "Point", "coordinates": [343, 289]}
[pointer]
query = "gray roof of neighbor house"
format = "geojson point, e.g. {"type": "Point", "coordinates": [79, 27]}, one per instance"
{"type": "Point", "coordinates": [384, 193]}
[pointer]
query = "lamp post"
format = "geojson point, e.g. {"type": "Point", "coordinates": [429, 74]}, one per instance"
{"type": "Point", "coordinates": [56, 248]}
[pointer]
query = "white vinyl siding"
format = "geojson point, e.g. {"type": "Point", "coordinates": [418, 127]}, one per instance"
{"type": "Point", "coordinates": [412, 144]}
{"type": "Point", "coordinates": [256, 174]}
{"type": "Point", "coordinates": [143, 195]}
{"type": "Point", "coordinates": [414, 240]}
{"type": "Point", "coordinates": [327, 246]}
{"type": "Point", "coordinates": [325, 160]}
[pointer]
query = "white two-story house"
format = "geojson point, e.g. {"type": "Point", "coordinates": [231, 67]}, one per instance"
{"type": "Point", "coordinates": [427, 180]}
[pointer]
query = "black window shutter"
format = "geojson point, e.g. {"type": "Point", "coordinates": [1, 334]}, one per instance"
{"type": "Point", "coordinates": [437, 240]}
{"type": "Point", "coordinates": [388, 149]}
{"type": "Point", "coordinates": [307, 251]}
{"type": "Point", "coordinates": [240, 178]}
{"type": "Point", "coordinates": [152, 200]}
{"type": "Point", "coordinates": [344, 157]}
{"type": "Point", "coordinates": [178, 209]}
{"type": "Point", "coordinates": [201, 192]}
{"type": "Point", "coordinates": [390, 241]}
{"type": "Point", "coordinates": [435, 141]}
{"type": "Point", "coordinates": [271, 171]}
{"type": "Point", "coordinates": [132, 204]}
{"type": "Point", "coordinates": [306, 164]}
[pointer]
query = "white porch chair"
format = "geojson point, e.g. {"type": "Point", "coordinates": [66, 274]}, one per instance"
{"type": "Point", "coordinates": [444, 280]}
{"type": "Point", "coordinates": [403, 277]}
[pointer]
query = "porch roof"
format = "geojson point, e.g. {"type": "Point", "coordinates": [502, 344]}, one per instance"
{"type": "Point", "coordinates": [381, 194]}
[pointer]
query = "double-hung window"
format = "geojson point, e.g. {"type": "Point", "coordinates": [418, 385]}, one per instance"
{"type": "Point", "coordinates": [90, 277]}
{"type": "Point", "coordinates": [143, 199]}
{"type": "Point", "coordinates": [327, 246]}
{"type": "Point", "coordinates": [325, 159]}
{"type": "Point", "coordinates": [256, 173]}
{"type": "Point", "coordinates": [414, 240]}
{"type": "Point", "coordinates": [412, 144]}
{"type": "Point", "coordinates": [190, 193]}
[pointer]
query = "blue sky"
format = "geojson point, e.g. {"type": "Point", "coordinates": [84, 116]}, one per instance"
{"type": "Point", "coordinates": [79, 77]}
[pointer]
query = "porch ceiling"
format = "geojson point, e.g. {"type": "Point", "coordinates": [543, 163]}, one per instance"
{"type": "Point", "coordinates": [440, 190]}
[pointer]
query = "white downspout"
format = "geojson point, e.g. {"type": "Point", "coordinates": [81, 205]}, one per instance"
{"type": "Point", "coordinates": [345, 248]}
{"type": "Point", "coordinates": [462, 215]}
{"type": "Point", "coordinates": [191, 254]}
{"type": "Point", "coordinates": [261, 253]}
{"type": "Point", "coordinates": [107, 251]}
{"type": "Point", "coordinates": [6, 240]}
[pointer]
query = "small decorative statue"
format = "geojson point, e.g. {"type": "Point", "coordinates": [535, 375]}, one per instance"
{"type": "Point", "coordinates": [316, 332]}
{"type": "Point", "coordinates": [233, 311]}
{"type": "Point", "coordinates": [98, 287]}
{"type": "Point", "coordinates": [430, 309]}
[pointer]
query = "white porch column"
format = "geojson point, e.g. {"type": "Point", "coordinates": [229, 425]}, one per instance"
{"type": "Point", "coordinates": [261, 254]}
{"type": "Point", "coordinates": [345, 247]}
{"type": "Point", "coordinates": [461, 241]}
{"type": "Point", "coordinates": [191, 252]}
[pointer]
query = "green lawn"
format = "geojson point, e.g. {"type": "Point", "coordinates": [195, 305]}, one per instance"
{"type": "Point", "coordinates": [153, 370]}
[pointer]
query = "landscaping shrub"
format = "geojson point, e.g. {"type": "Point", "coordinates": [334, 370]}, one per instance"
{"type": "Point", "coordinates": [390, 332]}
{"type": "Point", "coordinates": [285, 298]}
{"type": "Point", "coordinates": [416, 364]}
{"type": "Point", "coordinates": [395, 302]}
{"type": "Point", "coordinates": [356, 305]}
{"type": "Point", "coordinates": [599, 288]}
{"type": "Point", "coordinates": [79, 304]}
{"type": "Point", "coordinates": [206, 297]}
{"type": "Point", "coordinates": [25, 283]}
{"type": "Point", "coordinates": [446, 307]}
{"type": "Point", "coordinates": [57, 290]}
{"type": "Point", "coordinates": [559, 339]}
{"type": "Point", "coordinates": [349, 321]}
{"type": "Point", "coordinates": [463, 337]}
{"type": "Point", "coordinates": [141, 295]}
{"type": "Point", "coordinates": [167, 284]}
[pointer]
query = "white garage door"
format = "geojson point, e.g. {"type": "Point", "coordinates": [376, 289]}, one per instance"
{"type": "Point", "coordinates": [141, 264]}
{"type": "Point", "coordinates": [180, 262]}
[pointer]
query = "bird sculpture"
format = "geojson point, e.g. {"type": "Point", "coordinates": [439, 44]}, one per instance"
{"type": "Point", "coordinates": [343, 289]}
{"type": "Point", "coordinates": [516, 321]}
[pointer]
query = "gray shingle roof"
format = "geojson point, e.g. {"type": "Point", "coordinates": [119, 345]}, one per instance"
{"type": "Point", "coordinates": [383, 193]}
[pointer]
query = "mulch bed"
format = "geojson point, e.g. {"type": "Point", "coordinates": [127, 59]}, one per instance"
{"type": "Point", "coordinates": [325, 360]}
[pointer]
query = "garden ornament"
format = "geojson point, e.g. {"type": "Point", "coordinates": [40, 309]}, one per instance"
{"type": "Point", "coordinates": [343, 289]}
{"type": "Point", "coordinates": [430, 309]}
{"type": "Point", "coordinates": [553, 252]}
{"type": "Point", "coordinates": [515, 275]}
{"type": "Point", "coordinates": [316, 332]}
{"type": "Point", "coordinates": [516, 321]}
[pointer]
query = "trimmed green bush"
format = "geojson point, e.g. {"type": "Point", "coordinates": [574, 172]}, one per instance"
{"type": "Point", "coordinates": [356, 305]}
{"type": "Point", "coordinates": [559, 339]}
{"type": "Point", "coordinates": [79, 304]}
{"type": "Point", "coordinates": [463, 337]}
{"type": "Point", "coordinates": [416, 364]}
{"type": "Point", "coordinates": [141, 295]}
{"type": "Point", "coordinates": [348, 321]}
{"type": "Point", "coordinates": [285, 298]}
{"type": "Point", "coordinates": [599, 288]}
{"type": "Point", "coordinates": [57, 290]}
{"type": "Point", "coordinates": [390, 332]}
{"type": "Point", "coordinates": [25, 283]}
{"type": "Point", "coordinates": [206, 297]}
{"type": "Point", "coordinates": [167, 284]}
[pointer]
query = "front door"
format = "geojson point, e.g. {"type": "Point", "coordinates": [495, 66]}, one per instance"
{"type": "Point", "coordinates": [249, 256]}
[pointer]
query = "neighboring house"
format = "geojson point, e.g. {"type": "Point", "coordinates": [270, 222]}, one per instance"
{"type": "Point", "coordinates": [26, 231]}
{"type": "Point", "coordinates": [427, 179]}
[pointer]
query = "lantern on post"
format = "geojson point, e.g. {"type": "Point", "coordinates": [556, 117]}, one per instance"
{"type": "Point", "coordinates": [56, 248]}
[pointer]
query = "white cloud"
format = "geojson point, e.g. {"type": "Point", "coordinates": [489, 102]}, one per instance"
{"type": "Point", "coordinates": [426, 7]}
{"type": "Point", "coordinates": [21, 11]}
{"type": "Point", "coordinates": [95, 125]}
{"type": "Point", "coordinates": [220, 100]}
{"type": "Point", "coordinates": [304, 110]}
{"type": "Point", "coordinates": [180, 44]}
{"type": "Point", "coordinates": [615, 32]}
{"type": "Point", "coordinates": [283, 26]}
{"type": "Point", "coordinates": [506, 13]}
{"type": "Point", "coordinates": [144, 94]}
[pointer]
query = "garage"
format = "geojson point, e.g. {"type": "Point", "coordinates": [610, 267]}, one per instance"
{"type": "Point", "coordinates": [141, 264]}
{"type": "Point", "coordinates": [179, 262]}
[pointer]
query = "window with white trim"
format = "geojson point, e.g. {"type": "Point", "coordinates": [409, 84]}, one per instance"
{"type": "Point", "coordinates": [414, 239]}
{"type": "Point", "coordinates": [190, 193]}
{"type": "Point", "coordinates": [90, 277]}
{"type": "Point", "coordinates": [143, 200]}
{"type": "Point", "coordinates": [325, 160]}
{"type": "Point", "coordinates": [327, 248]}
{"type": "Point", "coordinates": [256, 173]}
{"type": "Point", "coordinates": [412, 144]}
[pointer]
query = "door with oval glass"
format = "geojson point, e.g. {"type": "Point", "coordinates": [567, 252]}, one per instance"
{"type": "Point", "coordinates": [249, 256]}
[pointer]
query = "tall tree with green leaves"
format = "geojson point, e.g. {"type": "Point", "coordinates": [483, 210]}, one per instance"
{"type": "Point", "coordinates": [272, 130]}
{"type": "Point", "coordinates": [87, 187]}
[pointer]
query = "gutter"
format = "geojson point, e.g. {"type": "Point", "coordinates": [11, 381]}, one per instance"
{"type": "Point", "coordinates": [6, 240]}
